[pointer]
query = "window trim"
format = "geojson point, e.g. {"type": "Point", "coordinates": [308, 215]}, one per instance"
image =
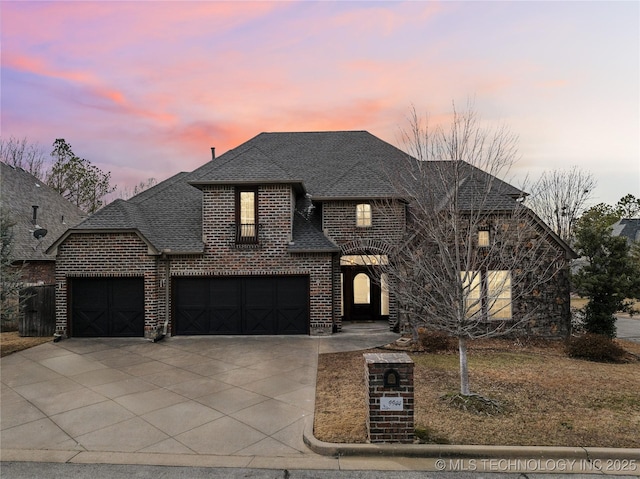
{"type": "Point", "coordinates": [364, 215]}
{"type": "Point", "coordinates": [241, 236]}
{"type": "Point", "coordinates": [484, 238]}
{"type": "Point", "coordinates": [483, 297]}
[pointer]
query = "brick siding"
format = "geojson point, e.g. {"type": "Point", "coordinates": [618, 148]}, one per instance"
{"type": "Point", "coordinates": [389, 425]}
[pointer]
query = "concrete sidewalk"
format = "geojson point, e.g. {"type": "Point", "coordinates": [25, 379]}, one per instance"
{"type": "Point", "coordinates": [241, 402]}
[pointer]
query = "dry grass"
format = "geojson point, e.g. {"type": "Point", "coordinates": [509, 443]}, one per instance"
{"type": "Point", "coordinates": [548, 398]}
{"type": "Point", "coordinates": [579, 303]}
{"type": "Point", "coordinates": [12, 342]}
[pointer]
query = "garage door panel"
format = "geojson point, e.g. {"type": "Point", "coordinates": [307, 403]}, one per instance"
{"type": "Point", "coordinates": [225, 321]}
{"type": "Point", "coordinates": [107, 307]}
{"type": "Point", "coordinates": [259, 321]}
{"type": "Point", "coordinates": [293, 305]}
{"type": "Point", "coordinates": [192, 320]}
{"type": "Point", "coordinates": [259, 305]}
{"type": "Point", "coordinates": [244, 305]}
{"type": "Point", "coordinates": [89, 323]}
{"type": "Point", "coordinates": [126, 323]}
{"type": "Point", "coordinates": [292, 321]}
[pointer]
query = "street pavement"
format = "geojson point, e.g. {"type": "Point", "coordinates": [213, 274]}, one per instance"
{"type": "Point", "coordinates": [24, 470]}
{"type": "Point", "coordinates": [225, 405]}
{"type": "Point", "coordinates": [628, 328]}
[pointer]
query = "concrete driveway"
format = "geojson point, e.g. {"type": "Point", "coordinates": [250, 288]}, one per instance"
{"type": "Point", "coordinates": [224, 401]}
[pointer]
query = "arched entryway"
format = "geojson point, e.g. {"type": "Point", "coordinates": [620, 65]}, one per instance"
{"type": "Point", "coordinates": [365, 295]}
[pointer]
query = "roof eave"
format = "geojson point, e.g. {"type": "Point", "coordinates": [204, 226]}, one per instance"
{"type": "Point", "coordinates": [358, 198]}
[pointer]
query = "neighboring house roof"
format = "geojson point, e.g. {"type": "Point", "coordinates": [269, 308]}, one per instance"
{"type": "Point", "coordinates": [20, 192]}
{"type": "Point", "coordinates": [627, 227]}
{"type": "Point", "coordinates": [325, 166]}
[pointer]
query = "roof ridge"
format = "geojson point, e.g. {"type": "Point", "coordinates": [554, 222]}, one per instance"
{"type": "Point", "coordinates": [150, 193]}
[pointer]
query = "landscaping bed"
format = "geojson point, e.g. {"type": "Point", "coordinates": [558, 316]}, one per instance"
{"type": "Point", "coordinates": [546, 398]}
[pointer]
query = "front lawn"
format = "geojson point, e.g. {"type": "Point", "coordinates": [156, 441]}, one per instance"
{"type": "Point", "coordinates": [548, 398]}
{"type": "Point", "coordinates": [12, 342]}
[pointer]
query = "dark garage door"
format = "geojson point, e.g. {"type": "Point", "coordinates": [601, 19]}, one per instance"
{"type": "Point", "coordinates": [107, 307]}
{"type": "Point", "coordinates": [247, 305]}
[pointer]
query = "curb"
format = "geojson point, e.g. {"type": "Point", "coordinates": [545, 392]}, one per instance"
{"type": "Point", "coordinates": [465, 451]}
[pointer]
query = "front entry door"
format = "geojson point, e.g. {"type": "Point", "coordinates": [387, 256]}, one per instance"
{"type": "Point", "coordinates": [361, 295]}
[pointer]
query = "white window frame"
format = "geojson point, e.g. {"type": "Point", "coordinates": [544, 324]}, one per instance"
{"type": "Point", "coordinates": [488, 294]}
{"type": "Point", "coordinates": [364, 215]}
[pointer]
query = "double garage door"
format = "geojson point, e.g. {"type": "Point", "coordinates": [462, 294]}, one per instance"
{"type": "Point", "coordinates": [114, 307]}
{"type": "Point", "coordinates": [246, 305]}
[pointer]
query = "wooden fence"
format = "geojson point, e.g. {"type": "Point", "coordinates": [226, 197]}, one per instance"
{"type": "Point", "coordinates": [39, 311]}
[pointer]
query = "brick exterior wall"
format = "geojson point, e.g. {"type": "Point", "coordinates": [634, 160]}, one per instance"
{"type": "Point", "coordinates": [105, 255]}
{"type": "Point", "coordinates": [388, 223]}
{"type": "Point", "coordinates": [389, 425]}
{"type": "Point", "coordinates": [126, 255]}
{"type": "Point", "coordinates": [39, 272]}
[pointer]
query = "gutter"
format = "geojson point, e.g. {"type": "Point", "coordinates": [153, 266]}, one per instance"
{"type": "Point", "coordinates": [167, 290]}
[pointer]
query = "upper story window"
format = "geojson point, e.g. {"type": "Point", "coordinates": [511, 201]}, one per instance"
{"type": "Point", "coordinates": [483, 238]}
{"type": "Point", "coordinates": [363, 215]}
{"type": "Point", "coordinates": [246, 215]}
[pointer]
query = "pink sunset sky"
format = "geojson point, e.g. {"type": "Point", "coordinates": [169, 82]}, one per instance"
{"type": "Point", "coordinates": [144, 89]}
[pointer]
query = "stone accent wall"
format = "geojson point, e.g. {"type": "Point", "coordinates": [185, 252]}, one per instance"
{"type": "Point", "coordinates": [551, 303]}
{"type": "Point", "coordinates": [389, 425]}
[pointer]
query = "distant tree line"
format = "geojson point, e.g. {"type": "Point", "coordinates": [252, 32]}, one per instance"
{"type": "Point", "coordinates": [77, 179]}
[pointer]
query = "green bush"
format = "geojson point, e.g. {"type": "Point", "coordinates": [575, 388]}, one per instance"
{"type": "Point", "coordinates": [433, 341]}
{"type": "Point", "coordinates": [595, 347]}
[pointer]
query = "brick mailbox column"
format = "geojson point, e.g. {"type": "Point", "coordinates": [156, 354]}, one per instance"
{"type": "Point", "coordinates": [389, 389]}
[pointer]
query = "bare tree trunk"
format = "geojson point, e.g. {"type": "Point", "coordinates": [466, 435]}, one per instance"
{"type": "Point", "coordinates": [464, 368]}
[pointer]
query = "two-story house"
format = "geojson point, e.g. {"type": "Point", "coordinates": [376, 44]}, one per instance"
{"type": "Point", "coordinates": [281, 235]}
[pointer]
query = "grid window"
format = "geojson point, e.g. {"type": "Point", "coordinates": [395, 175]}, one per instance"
{"type": "Point", "coordinates": [363, 215]}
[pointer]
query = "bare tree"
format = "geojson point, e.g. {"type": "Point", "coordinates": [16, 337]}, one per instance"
{"type": "Point", "coordinates": [127, 193]}
{"type": "Point", "coordinates": [20, 153]}
{"type": "Point", "coordinates": [560, 197]}
{"type": "Point", "coordinates": [476, 261]}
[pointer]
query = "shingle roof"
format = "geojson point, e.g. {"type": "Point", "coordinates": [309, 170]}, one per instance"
{"type": "Point", "coordinates": [629, 228]}
{"type": "Point", "coordinates": [20, 192]}
{"type": "Point", "coordinates": [308, 238]}
{"type": "Point", "coordinates": [320, 159]}
{"type": "Point", "coordinates": [248, 165]}
{"type": "Point", "coordinates": [477, 189]}
{"type": "Point", "coordinates": [167, 215]}
{"type": "Point", "coordinates": [324, 165]}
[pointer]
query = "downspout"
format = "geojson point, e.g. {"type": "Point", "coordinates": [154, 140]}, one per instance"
{"type": "Point", "coordinates": [167, 291]}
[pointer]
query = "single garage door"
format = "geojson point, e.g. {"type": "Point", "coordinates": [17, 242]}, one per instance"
{"type": "Point", "coordinates": [107, 307]}
{"type": "Point", "coordinates": [246, 305]}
